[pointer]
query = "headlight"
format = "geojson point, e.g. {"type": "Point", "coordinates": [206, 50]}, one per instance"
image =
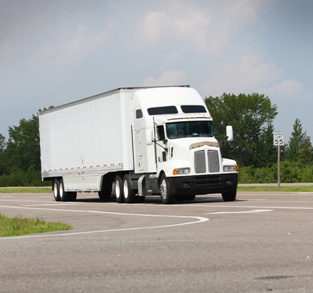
{"type": "Point", "coordinates": [181, 171]}
{"type": "Point", "coordinates": [232, 168]}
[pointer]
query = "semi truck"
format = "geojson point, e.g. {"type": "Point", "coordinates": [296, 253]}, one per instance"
{"type": "Point", "coordinates": [129, 143]}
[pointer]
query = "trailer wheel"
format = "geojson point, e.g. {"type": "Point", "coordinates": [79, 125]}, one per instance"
{"type": "Point", "coordinates": [229, 196]}
{"type": "Point", "coordinates": [119, 189]}
{"type": "Point", "coordinates": [129, 194]}
{"type": "Point", "coordinates": [56, 189]}
{"type": "Point", "coordinates": [64, 196]}
{"type": "Point", "coordinates": [166, 194]}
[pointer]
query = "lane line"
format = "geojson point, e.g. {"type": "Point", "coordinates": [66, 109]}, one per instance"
{"type": "Point", "coordinates": [265, 206]}
{"type": "Point", "coordinates": [195, 220]}
{"type": "Point", "coordinates": [240, 212]}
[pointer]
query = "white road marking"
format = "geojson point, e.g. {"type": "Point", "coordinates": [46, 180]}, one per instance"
{"type": "Point", "coordinates": [268, 207]}
{"type": "Point", "coordinates": [240, 212]}
{"type": "Point", "coordinates": [195, 220]}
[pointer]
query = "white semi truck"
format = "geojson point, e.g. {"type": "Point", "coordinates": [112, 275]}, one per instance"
{"type": "Point", "coordinates": [132, 142]}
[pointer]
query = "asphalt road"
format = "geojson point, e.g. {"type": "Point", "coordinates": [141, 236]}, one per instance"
{"type": "Point", "coordinates": [263, 242]}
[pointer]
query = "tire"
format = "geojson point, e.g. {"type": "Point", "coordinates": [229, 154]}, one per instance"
{"type": "Point", "coordinates": [129, 194]}
{"type": "Point", "coordinates": [64, 196]}
{"type": "Point", "coordinates": [119, 194]}
{"type": "Point", "coordinates": [190, 197]}
{"type": "Point", "coordinates": [166, 194]}
{"type": "Point", "coordinates": [56, 189]}
{"type": "Point", "coordinates": [229, 196]}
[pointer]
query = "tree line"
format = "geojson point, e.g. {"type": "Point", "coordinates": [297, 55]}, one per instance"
{"type": "Point", "coordinates": [250, 115]}
{"type": "Point", "coordinates": [252, 118]}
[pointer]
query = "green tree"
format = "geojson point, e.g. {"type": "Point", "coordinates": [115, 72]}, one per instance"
{"type": "Point", "coordinates": [23, 149]}
{"type": "Point", "coordinates": [251, 116]}
{"type": "Point", "coordinates": [2, 156]}
{"type": "Point", "coordinates": [2, 143]}
{"type": "Point", "coordinates": [267, 154]}
{"type": "Point", "coordinates": [299, 148]}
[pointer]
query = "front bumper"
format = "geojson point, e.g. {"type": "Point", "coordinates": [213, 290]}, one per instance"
{"type": "Point", "coordinates": [205, 184]}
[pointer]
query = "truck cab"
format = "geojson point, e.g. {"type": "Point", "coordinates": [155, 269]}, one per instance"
{"type": "Point", "coordinates": [175, 146]}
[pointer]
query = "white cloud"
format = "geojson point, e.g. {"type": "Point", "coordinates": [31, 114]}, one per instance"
{"type": "Point", "coordinates": [246, 73]}
{"type": "Point", "coordinates": [169, 77]}
{"type": "Point", "coordinates": [288, 88]}
{"type": "Point", "coordinates": [207, 28]}
{"type": "Point", "coordinates": [13, 40]}
{"type": "Point", "coordinates": [250, 74]}
{"type": "Point", "coordinates": [81, 43]}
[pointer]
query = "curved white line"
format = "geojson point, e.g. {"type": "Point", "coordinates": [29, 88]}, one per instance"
{"type": "Point", "coordinates": [240, 212]}
{"type": "Point", "coordinates": [196, 220]}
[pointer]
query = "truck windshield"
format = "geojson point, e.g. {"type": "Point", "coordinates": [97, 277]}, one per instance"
{"type": "Point", "coordinates": [189, 129]}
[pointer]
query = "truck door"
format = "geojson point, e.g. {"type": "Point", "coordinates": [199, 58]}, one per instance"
{"type": "Point", "coordinates": [144, 156]}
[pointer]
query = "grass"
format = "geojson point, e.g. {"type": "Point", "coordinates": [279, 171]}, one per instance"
{"type": "Point", "coordinates": [20, 226]}
{"type": "Point", "coordinates": [266, 188]}
{"type": "Point", "coordinates": [25, 189]}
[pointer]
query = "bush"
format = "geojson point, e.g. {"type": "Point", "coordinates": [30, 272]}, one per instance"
{"type": "Point", "coordinates": [31, 177]}
{"type": "Point", "coordinates": [290, 172]}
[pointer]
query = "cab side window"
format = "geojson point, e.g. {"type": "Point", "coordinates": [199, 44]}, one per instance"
{"type": "Point", "coordinates": [161, 134]}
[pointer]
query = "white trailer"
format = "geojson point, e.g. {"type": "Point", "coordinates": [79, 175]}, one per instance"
{"type": "Point", "coordinates": [133, 142]}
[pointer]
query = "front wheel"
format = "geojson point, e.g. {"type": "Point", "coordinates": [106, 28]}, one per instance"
{"type": "Point", "coordinates": [229, 196]}
{"type": "Point", "coordinates": [167, 195]}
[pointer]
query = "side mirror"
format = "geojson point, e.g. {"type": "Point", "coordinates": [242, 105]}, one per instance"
{"type": "Point", "coordinates": [229, 133]}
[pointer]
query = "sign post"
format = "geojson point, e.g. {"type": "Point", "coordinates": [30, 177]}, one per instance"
{"type": "Point", "coordinates": [278, 140]}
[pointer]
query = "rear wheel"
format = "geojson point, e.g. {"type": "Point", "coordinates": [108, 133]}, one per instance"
{"type": "Point", "coordinates": [129, 194]}
{"type": "Point", "coordinates": [166, 194]}
{"type": "Point", "coordinates": [56, 189]}
{"type": "Point", "coordinates": [229, 196]}
{"type": "Point", "coordinates": [119, 189]}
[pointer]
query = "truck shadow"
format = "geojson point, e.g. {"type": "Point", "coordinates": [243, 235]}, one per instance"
{"type": "Point", "coordinates": [154, 200]}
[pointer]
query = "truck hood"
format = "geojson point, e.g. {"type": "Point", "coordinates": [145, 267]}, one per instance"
{"type": "Point", "coordinates": [194, 142]}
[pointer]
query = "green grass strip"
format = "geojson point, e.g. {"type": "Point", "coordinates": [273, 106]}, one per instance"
{"type": "Point", "coordinates": [21, 226]}
{"type": "Point", "coordinates": [265, 188]}
{"type": "Point", "coordinates": [25, 189]}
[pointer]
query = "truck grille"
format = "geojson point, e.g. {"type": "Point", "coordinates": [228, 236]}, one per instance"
{"type": "Point", "coordinates": [212, 161]}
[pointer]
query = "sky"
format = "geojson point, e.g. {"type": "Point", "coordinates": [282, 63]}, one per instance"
{"type": "Point", "coordinates": [55, 52]}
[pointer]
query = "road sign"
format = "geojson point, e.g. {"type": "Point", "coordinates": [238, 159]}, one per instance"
{"type": "Point", "coordinates": [279, 138]}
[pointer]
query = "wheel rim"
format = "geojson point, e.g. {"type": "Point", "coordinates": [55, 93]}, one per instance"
{"type": "Point", "coordinates": [61, 190]}
{"type": "Point", "coordinates": [163, 188]}
{"type": "Point", "coordinates": [55, 190]}
{"type": "Point", "coordinates": [126, 189]}
{"type": "Point", "coordinates": [117, 189]}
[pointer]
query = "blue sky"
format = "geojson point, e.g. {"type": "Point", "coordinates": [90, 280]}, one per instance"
{"type": "Point", "coordinates": [54, 52]}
